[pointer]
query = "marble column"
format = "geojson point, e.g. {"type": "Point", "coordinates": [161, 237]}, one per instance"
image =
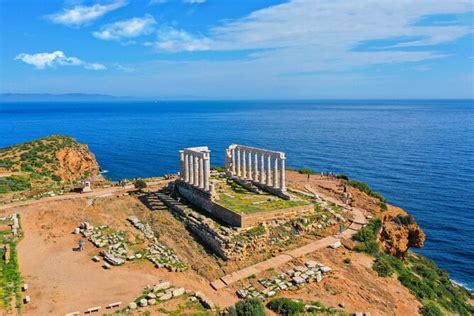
{"type": "Point", "coordinates": [181, 164]}
{"type": "Point", "coordinates": [207, 172]}
{"type": "Point", "coordinates": [256, 175]}
{"type": "Point", "coordinates": [239, 173]}
{"type": "Point", "coordinates": [191, 169]}
{"type": "Point", "coordinates": [232, 152]}
{"type": "Point", "coordinates": [262, 168]}
{"type": "Point", "coordinates": [275, 173]}
{"type": "Point", "coordinates": [244, 164]}
{"type": "Point", "coordinates": [201, 173]}
{"type": "Point", "coordinates": [250, 162]}
{"type": "Point", "coordinates": [269, 169]}
{"type": "Point", "coordinates": [186, 167]}
{"type": "Point", "coordinates": [282, 175]}
{"type": "Point", "coordinates": [196, 171]}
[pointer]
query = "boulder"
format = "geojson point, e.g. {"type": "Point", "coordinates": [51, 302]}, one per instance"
{"type": "Point", "coordinates": [166, 296]}
{"type": "Point", "coordinates": [161, 286]}
{"type": "Point", "coordinates": [178, 292]}
{"type": "Point", "coordinates": [143, 302]}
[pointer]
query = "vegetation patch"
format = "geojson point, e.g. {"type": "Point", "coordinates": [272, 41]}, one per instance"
{"type": "Point", "coordinates": [251, 306]}
{"type": "Point", "coordinates": [294, 307]}
{"type": "Point", "coordinates": [238, 199]}
{"type": "Point", "coordinates": [10, 277]}
{"type": "Point", "coordinates": [367, 237]}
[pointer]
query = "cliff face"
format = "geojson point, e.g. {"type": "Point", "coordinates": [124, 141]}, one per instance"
{"type": "Point", "coordinates": [76, 162]}
{"type": "Point", "coordinates": [45, 164]}
{"type": "Point", "coordinates": [399, 233]}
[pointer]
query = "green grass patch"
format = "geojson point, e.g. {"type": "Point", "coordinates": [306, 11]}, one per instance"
{"type": "Point", "coordinates": [238, 199]}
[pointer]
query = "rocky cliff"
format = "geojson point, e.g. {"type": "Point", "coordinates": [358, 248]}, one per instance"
{"type": "Point", "coordinates": [45, 164]}
{"type": "Point", "coordinates": [399, 233]}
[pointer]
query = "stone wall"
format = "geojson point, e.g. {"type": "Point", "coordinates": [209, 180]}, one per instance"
{"type": "Point", "coordinates": [204, 202]}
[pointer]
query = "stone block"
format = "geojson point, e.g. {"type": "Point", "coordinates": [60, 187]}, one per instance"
{"type": "Point", "coordinates": [297, 280]}
{"type": "Point", "coordinates": [27, 299]}
{"type": "Point", "coordinates": [143, 302]}
{"type": "Point", "coordinates": [132, 305]}
{"type": "Point", "coordinates": [178, 292]}
{"type": "Point", "coordinates": [24, 288]}
{"type": "Point", "coordinates": [151, 301]}
{"type": "Point", "coordinates": [318, 276]}
{"type": "Point", "coordinates": [325, 269]}
{"type": "Point", "coordinates": [311, 264]}
{"type": "Point", "coordinates": [335, 245]}
{"type": "Point", "coordinates": [166, 296]}
{"type": "Point", "coordinates": [162, 286]}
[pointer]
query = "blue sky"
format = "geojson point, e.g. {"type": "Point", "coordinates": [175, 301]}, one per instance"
{"type": "Point", "coordinates": [245, 49]}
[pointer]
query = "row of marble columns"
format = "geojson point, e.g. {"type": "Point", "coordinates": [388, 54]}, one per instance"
{"type": "Point", "coordinates": [265, 167]}
{"type": "Point", "coordinates": [195, 167]}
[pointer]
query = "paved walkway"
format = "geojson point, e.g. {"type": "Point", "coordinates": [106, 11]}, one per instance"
{"type": "Point", "coordinates": [357, 222]}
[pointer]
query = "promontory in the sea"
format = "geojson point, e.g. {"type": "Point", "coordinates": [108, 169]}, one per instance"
{"type": "Point", "coordinates": [252, 237]}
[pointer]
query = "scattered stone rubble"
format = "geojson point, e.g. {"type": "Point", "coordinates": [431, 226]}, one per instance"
{"type": "Point", "coordinates": [164, 291]}
{"type": "Point", "coordinates": [156, 252]}
{"type": "Point", "coordinates": [101, 237]}
{"type": "Point", "coordinates": [289, 280]}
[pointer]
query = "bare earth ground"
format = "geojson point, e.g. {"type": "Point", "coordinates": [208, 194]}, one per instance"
{"type": "Point", "coordinates": [61, 280]}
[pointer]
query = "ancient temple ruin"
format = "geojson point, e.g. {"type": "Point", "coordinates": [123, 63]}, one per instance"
{"type": "Point", "coordinates": [262, 168]}
{"type": "Point", "coordinates": [195, 167]}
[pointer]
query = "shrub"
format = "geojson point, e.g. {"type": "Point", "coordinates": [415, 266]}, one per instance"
{"type": "Point", "coordinates": [347, 261]}
{"type": "Point", "coordinates": [383, 267]}
{"type": "Point", "coordinates": [369, 232]}
{"type": "Point", "coordinates": [219, 168]}
{"type": "Point", "coordinates": [306, 171]}
{"type": "Point", "coordinates": [430, 309]}
{"type": "Point", "coordinates": [286, 306]}
{"type": "Point", "coordinates": [140, 184]}
{"type": "Point", "coordinates": [56, 178]}
{"type": "Point", "coordinates": [248, 307]}
{"type": "Point", "coordinates": [366, 189]}
{"type": "Point", "coordinates": [343, 176]}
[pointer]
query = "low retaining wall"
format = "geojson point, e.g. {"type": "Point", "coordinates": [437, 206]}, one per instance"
{"type": "Point", "coordinates": [203, 200]}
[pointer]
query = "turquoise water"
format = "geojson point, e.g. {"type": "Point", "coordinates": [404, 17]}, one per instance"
{"type": "Point", "coordinates": [418, 154]}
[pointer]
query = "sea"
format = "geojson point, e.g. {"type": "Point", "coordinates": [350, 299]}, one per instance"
{"type": "Point", "coordinates": [418, 153]}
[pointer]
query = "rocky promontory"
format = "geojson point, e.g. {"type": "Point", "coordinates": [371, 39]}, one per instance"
{"type": "Point", "coordinates": [45, 164]}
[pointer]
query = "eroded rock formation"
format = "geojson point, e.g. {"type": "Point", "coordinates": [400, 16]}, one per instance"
{"type": "Point", "coordinates": [399, 233]}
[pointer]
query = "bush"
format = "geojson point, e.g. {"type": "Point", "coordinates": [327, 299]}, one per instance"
{"type": "Point", "coordinates": [248, 307]}
{"type": "Point", "coordinates": [430, 309]}
{"type": "Point", "coordinates": [347, 261]}
{"type": "Point", "coordinates": [286, 306]}
{"type": "Point", "coordinates": [140, 184]}
{"type": "Point", "coordinates": [369, 232]}
{"type": "Point", "coordinates": [306, 171]}
{"type": "Point", "coordinates": [383, 267]}
{"type": "Point", "coordinates": [366, 189]}
{"type": "Point", "coordinates": [219, 168]}
{"type": "Point", "coordinates": [343, 176]}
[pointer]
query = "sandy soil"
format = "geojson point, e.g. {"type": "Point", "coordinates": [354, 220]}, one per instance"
{"type": "Point", "coordinates": [61, 280]}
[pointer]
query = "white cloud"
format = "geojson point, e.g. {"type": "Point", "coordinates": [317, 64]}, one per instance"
{"type": "Point", "coordinates": [79, 14]}
{"type": "Point", "coordinates": [323, 34]}
{"type": "Point", "coordinates": [174, 40]}
{"type": "Point", "coordinates": [56, 58]}
{"type": "Point", "coordinates": [133, 27]}
{"type": "Point", "coordinates": [195, 1]}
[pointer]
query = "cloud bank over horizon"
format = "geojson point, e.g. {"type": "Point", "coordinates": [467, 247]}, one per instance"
{"type": "Point", "coordinates": [297, 45]}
